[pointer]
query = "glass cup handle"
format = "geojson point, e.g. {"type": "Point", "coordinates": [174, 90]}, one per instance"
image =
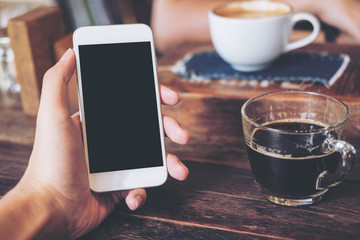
{"type": "Point", "coordinates": [348, 152]}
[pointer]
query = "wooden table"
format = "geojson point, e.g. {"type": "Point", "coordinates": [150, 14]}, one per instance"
{"type": "Point", "coordinates": [346, 88]}
{"type": "Point", "coordinates": [219, 200]}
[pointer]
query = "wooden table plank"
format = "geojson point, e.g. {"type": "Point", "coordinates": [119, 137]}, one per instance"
{"type": "Point", "coordinates": [220, 199]}
{"type": "Point", "coordinates": [134, 227]}
{"type": "Point", "coordinates": [216, 129]}
{"type": "Point", "coordinates": [226, 199]}
{"type": "Point", "coordinates": [13, 161]}
{"type": "Point", "coordinates": [15, 125]}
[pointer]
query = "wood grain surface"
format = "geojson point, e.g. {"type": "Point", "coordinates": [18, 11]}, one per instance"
{"type": "Point", "coordinates": [220, 199]}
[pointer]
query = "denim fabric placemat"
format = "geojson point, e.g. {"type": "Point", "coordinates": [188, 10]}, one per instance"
{"type": "Point", "coordinates": [290, 67]}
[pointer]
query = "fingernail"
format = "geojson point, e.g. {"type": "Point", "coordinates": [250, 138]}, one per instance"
{"type": "Point", "coordinates": [139, 200]}
{"type": "Point", "coordinates": [172, 91]}
{"type": "Point", "coordinates": [66, 56]}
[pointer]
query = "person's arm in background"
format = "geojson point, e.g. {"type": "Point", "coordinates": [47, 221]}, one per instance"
{"type": "Point", "coordinates": [53, 199]}
{"type": "Point", "coordinates": [341, 14]}
{"type": "Point", "coordinates": [175, 21]}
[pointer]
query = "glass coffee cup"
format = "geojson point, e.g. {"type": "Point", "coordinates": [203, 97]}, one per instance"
{"type": "Point", "coordinates": [295, 143]}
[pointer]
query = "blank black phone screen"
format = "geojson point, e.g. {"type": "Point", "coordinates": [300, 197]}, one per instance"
{"type": "Point", "coordinates": [120, 107]}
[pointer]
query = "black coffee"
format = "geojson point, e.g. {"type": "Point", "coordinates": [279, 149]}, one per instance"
{"type": "Point", "coordinates": [290, 164]}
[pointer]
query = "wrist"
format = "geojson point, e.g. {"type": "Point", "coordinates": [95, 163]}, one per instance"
{"type": "Point", "coordinates": [27, 213]}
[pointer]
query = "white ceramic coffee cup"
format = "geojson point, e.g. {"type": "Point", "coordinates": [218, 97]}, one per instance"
{"type": "Point", "coordinates": [251, 44]}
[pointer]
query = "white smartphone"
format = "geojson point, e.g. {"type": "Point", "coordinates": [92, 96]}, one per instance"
{"type": "Point", "coordinates": [119, 106]}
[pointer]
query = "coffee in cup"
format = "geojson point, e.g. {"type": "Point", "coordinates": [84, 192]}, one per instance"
{"type": "Point", "coordinates": [250, 35]}
{"type": "Point", "coordinates": [296, 145]}
{"type": "Point", "coordinates": [250, 10]}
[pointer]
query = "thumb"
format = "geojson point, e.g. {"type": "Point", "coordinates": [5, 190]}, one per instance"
{"type": "Point", "coordinates": [54, 94]}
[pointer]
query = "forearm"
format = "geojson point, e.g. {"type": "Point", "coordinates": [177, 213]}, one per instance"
{"type": "Point", "coordinates": [304, 5]}
{"type": "Point", "coordinates": [174, 21]}
{"type": "Point", "coordinates": [28, 214]}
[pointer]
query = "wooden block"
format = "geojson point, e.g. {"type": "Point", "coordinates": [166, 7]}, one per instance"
{"type": "Point", "coordinates": [32, 36]}
{"type": "Point", "coordinates": [62, 45]}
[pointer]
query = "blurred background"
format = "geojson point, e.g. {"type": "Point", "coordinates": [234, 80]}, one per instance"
{"type": "Point", "coordinates": [82, 12]}
{"type": "Point", "coordinates": [75, 13]}
{"type": "Point", "coordinates": [41, 32]}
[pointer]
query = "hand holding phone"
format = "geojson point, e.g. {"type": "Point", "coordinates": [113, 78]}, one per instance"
{"type": "Point", "coordinates": [120, 107]}
{"type": "Point", "coordinates": [57, 174]}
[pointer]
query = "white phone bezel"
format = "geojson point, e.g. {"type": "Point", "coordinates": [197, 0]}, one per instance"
{"type": "Point", "coordinates": [124, 179]}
